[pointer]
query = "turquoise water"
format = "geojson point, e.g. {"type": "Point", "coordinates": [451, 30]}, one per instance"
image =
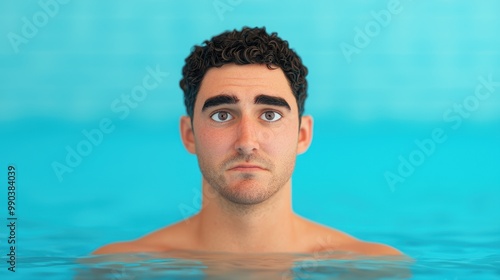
{"type": "Point", "coordinates": [451, 232]}
{"type": "Point", "coordinates": [437, 255]}
{"type": "Point", "coordinates": [393, 159]}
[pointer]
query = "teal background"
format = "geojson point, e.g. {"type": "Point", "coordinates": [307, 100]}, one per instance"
{"type": "Point", "coordinates": [369, 109]}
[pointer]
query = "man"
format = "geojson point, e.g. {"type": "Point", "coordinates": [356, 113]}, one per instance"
{"type": "Point", "coordinates": [244, 93]}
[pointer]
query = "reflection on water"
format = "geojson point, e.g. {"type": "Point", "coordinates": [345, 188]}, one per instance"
{"type": "Point", "coordinates": [199, 265]}
{"type": "Point", "coordinates": [450, 255]}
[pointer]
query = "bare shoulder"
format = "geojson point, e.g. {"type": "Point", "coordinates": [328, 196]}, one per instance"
{"type": "Point", "coordinates": [123, 247]}
{"type": "Point", "coordinates": [328, 239]}
{"type": "Point", "coordinates": [144, 244]}
{"type": "Point", "coordinates": [113, 248]}
{"type": "Point", "coordinates": [173, 237]}
{"type": "Point", "coordinates": [370, 249]}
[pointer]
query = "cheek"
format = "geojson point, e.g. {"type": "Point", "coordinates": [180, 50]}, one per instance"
{"type": "Point", "coordinates": [266, 136]}
{"type": "Point", "coordinates": [279, 142]}
{"type": "Point", "coordinates": [211, 143]}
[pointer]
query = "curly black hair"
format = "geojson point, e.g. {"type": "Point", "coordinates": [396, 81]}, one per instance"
{"type": "Point", "coordinates": [248, 46]}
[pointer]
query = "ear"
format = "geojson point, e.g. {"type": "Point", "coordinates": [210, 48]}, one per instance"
{"type": "Point", "coordinates": [187, 134]}
{"type": "Point", "coordinates": [305, 134]}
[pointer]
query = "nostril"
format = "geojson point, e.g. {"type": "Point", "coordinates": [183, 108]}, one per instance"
{"type": "Point", "coordinates": [246, 141]}
{"type": "Point", "coordinates": [246, 146]}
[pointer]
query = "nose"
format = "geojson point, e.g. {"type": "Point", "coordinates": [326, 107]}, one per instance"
{"type": "Point", "coordinates": [247, 134]}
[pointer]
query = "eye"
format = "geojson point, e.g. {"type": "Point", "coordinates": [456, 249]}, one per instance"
{"type": "Point", "coordinates": [270, 116]}
{"type": "Point", "coordinates": [221, 116]}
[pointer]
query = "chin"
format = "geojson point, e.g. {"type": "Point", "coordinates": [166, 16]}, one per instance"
{"type": "Point", "coordinates": [247, 193]}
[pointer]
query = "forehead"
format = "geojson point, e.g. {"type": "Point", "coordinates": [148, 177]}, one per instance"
{"type": "Point", "coordinates": [246, 82]}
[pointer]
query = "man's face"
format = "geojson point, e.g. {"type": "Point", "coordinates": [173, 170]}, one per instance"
{"type": "Point", "coordinates": [245, 131]}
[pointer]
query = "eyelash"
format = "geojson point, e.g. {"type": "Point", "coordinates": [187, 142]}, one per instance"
{"type": "Point", "coordinates": [218, 112]}
{"type": "Point", "coordinates": [274, 112]}
{"type": "Point", "coordinates": [261, 116]}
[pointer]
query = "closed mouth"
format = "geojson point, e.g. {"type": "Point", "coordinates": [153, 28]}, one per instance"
{"type": "Point", "coordinates": [247, 167]}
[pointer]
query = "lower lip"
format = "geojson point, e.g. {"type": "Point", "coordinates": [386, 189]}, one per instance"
{"type": "Point", "coordinates": [246, 169]}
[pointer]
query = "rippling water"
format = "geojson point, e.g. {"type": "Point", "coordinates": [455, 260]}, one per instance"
{"type": "Point", "coordinates": [195, 265]}
{"type": "Point", "coordinates": [450, 255]}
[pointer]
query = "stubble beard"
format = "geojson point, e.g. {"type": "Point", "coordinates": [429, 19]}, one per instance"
{"type": "Point", "coordinates": [246, 189]}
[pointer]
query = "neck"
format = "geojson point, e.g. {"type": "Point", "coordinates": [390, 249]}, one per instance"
{"type": "Point", "coordinates": [264, 227]}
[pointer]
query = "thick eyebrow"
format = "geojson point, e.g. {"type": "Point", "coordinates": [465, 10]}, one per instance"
{"type": "Point", "coordinates": [231, 99]}
{"type": "Point", "coordinates": [219, 100]}
{"type": "Point", "coordinates": [271, 100]}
